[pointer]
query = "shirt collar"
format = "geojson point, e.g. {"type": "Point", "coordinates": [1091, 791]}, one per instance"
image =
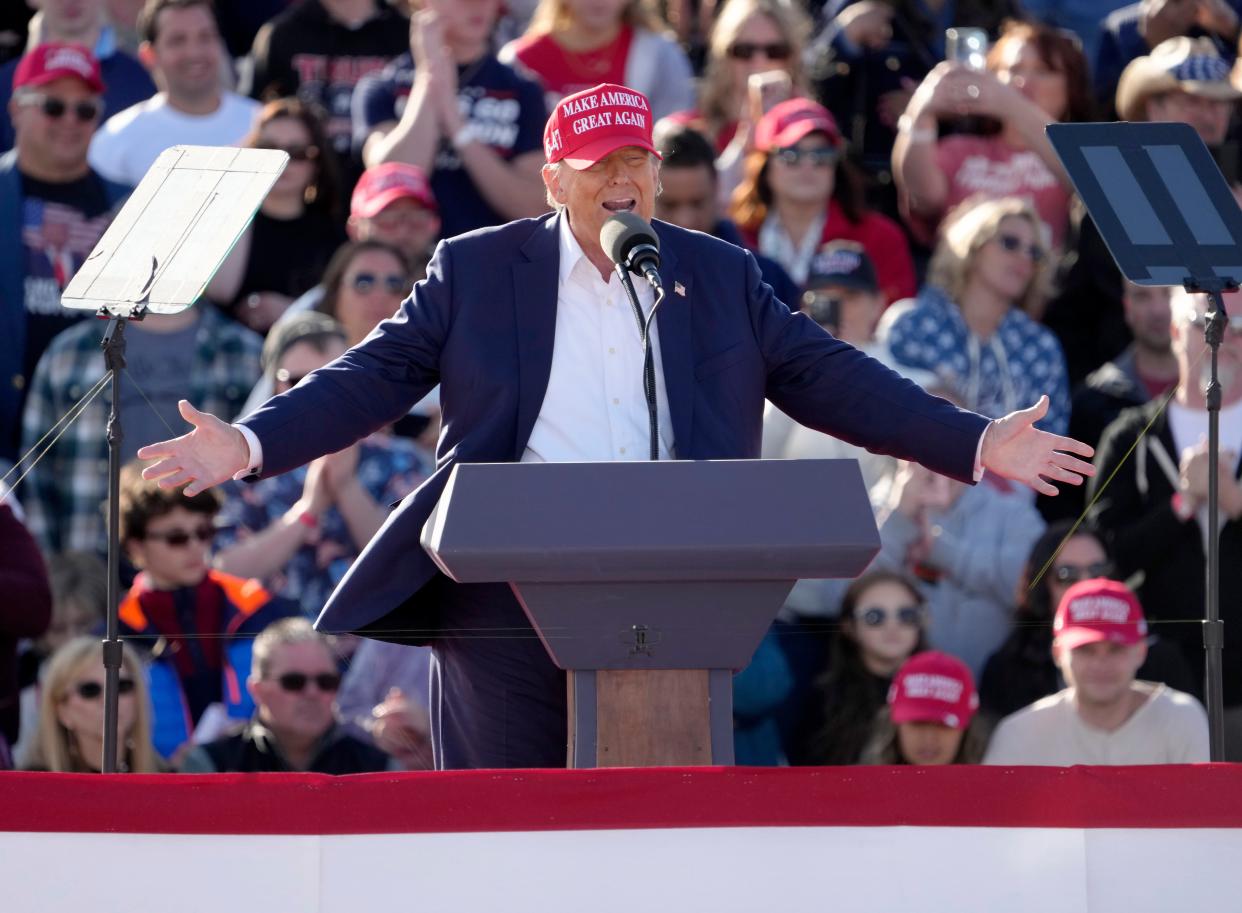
{"type": "Point", "coordinates": [571, 251]}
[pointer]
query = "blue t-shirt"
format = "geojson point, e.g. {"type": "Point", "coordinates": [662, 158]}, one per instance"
{"type": "Point", "coordinates": [126, 83]}
{"type": "Point", "coordinates": [505, 111]}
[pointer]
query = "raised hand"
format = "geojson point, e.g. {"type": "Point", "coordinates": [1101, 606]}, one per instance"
{"type": "Point", "coordinates": [1015, 449]}
{"type": "Point", "coordinates": [212, 453]}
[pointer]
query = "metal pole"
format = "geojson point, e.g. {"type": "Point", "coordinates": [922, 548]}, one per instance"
{"type": "Point", "coordinates": [114, 359]}
{"type": "Point", "coordinates": [1213, 627]}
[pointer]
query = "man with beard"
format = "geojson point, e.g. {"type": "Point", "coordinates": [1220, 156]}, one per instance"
{"type": "Point", "coordinates": [1154, 513]}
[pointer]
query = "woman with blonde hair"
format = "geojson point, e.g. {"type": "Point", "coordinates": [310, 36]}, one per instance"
{"type": "Point", "coordinates": [571, 45]}
{"type": "Point", "coordinates": [974, 323]}
{"type": "Point", "coordinates": [70, 733]}
{"type": "Point", "coordinates": [751, 38]}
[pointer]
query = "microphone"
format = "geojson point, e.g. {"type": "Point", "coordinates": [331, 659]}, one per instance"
{"type": "Point", "coordinates": [631, 243]}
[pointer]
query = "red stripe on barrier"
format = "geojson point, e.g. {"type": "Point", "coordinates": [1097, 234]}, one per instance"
{"type": "Point", "coordinates": [1198, 796]}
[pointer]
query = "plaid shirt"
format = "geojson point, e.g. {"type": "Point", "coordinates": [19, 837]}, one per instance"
{"type": "Point", "coordinates": [66, 493]}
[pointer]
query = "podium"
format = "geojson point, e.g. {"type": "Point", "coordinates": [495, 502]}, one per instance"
{"type": "Point", "coordinates": [650, 583]}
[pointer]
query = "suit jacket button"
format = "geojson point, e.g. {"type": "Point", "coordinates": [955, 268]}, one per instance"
{"type": "Point", "coordinates": [19, 382]}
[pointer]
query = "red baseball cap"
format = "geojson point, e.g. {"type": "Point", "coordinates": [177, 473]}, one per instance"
{"type": "Point", "coordinates": [1096, 610]}
{"type": "Point", "coordinates": [790, 121]}
{"type": "Point", "coordinates": [933, 687]}
{"type": "Point", "coordinates": [54, 60]}
{"type": "Point", "coordinates": [587, 126]}
{"type": "Point", "coordinates": [382, 185]}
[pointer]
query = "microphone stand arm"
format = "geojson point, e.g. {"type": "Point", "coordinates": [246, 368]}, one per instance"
{"type": "Point", "coordinates": [1213, 627]}
{"type": "Point", "coordinates": [644, 329]}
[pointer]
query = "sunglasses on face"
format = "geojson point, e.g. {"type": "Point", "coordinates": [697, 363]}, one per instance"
{"type": "Point", "coordinates": [821, 157]}
{"type": "Point", "coordinates": [284, 377]}
{"type": "Point", "coordinates": [365, 283]}
{"type": "Point", "coordinates": [909, 616]}
{"type": "Point", "coordinates": [1015, 245]}
{"type": "Point", "coordinates": [327, 682]}
{"type": "Point", "coordinates": [1073, 573]}
{"type": "Point", "coordinates": [179, 538]}
{"type": "Point", "coordinates": [56, 108]}
{"type": "Point", "coordinates": [295, 153]}
{"type": "Point", "coordinates": [745, 50]}
{"type": "Point", "coordinates": [90, 691]}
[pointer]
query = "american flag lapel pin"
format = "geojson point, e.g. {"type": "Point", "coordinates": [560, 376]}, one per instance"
{"type": "Point", "coordinates": [679, 289]}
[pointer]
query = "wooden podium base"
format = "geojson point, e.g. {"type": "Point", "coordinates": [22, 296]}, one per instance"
{"type": "Point", "coordinates": [650, 718]}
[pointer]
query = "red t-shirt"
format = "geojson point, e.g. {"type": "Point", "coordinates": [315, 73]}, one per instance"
{"type": "Point", "coordinates": [990, 167]}
{"type": "Point", "coordinates": [565, 72]}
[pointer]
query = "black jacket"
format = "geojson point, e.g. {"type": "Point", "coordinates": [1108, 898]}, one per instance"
{"type": "Point", "coordinates": [253, 749]}
{"type": "Point", "coordinates": [1135, 517]}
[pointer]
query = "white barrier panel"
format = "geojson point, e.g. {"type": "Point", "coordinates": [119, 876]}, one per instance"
{"type": "Point", "coordinates": [1078, 840]}
{"type": "Point", "coordinates": [747, 870]}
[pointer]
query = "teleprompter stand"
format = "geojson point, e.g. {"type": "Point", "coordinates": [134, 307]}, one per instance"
{"type": "Point", "coordinates": [1168, 218]}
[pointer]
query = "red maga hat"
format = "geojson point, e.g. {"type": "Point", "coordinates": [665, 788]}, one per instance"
{"type": "Point", "coordinates": [382, 185]}
{"type": "Point", "coordinates": [790, 121]}
{"type": "Point", "coordinates": [933, 687]}
{"type": "Point", "coordinates": [1096, 610]}
{"type": "Point", "coordinates": [587, 126]}
{"type": "Point", "coordinates": [55, 60]}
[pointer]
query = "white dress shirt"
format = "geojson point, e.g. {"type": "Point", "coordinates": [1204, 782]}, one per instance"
{"type": "Point", "coordinates": [594, 409]}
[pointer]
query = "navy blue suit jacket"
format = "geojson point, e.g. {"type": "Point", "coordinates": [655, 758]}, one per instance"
{"type": "Point", "coordinates": [482, 325]}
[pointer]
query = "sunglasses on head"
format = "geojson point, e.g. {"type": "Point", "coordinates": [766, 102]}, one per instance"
{"type": "Point", "coordinates": [910, 616]}
{"type": "Point", "coordinates": [178, 538]}
{"type": "Point", "coordinates": [1015, 245]}
{"type": "Point", "coordinates": [56, 108]}
{"type": "Point", "coordinates": [365, 283]}
{"type": "Point", "coordinates": [745, 50]}
{"type": "Point", "coordinates": [90, 691]}
{"type": "Point", "coordinates": [820, 157]}
{"type": "Point", "coordinates": [1073, 573]}
{"type": "Point", "coordinates": [327, 682]}
{"type": "Point", "coordinates": [295, 153]}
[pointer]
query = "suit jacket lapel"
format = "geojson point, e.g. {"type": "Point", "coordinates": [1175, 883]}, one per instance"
{"type": "Point", "coordinates": [534, 300]}
{"type": "Point", "coordinates": [676, 349]}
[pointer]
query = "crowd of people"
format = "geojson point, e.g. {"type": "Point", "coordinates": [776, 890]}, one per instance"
{"type": "Point", "coordinates": [900, 194]}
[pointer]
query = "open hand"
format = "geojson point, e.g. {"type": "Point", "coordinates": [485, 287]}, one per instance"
{"type": "Point", "coordinates": [212, 453]}
{"type": "Point", "coordinates": [1014, 448]}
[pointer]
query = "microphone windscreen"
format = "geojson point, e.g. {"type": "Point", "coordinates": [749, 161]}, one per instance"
{"type": "Point", "coordinates": [622, 233]}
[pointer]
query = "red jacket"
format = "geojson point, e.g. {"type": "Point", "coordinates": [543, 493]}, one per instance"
{"type": "Point", "coordinates": [882, 239]}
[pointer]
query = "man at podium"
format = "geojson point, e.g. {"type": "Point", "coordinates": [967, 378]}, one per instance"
{"type": "Point", "coordinates": [536, 349]}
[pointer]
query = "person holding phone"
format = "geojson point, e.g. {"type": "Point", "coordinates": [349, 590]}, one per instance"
{"type": "Point", "coordinates": [1035, 75]}
{"type": "Point", "coordinates": [799, 192]}
{"type": "Point", "coordinates": [754, 62]}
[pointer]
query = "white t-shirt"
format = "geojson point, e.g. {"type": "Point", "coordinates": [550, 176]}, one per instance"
{"type": "Point", "coordinates": [1169, 728]}
{"type": "Point", "coordinates": [130, 141]}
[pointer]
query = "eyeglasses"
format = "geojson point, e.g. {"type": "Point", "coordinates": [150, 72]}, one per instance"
{"type": "Point", "coordinates": [55, 108]}
{"type": "Point", "coordinates": [179, 538]}
{"type": "Point", "coordinates": [820, 157]}
{"type": "Point", "coordinates": [295, 153]}
{"type": "Point", "coordinates": [365, 283]}
{"type": "Point", "coordinates": [90, 691]}
{"type": "Point", "coordinates": [1015, 245]}
{"type": "Point", "coordinates": [745, 50]}
{"type": "Point", "coordinates": [327, 682]}
{"type": "Point", "coordinates": [1073, 573]}
{"type": "Point", "coordinates": [911, 616]}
